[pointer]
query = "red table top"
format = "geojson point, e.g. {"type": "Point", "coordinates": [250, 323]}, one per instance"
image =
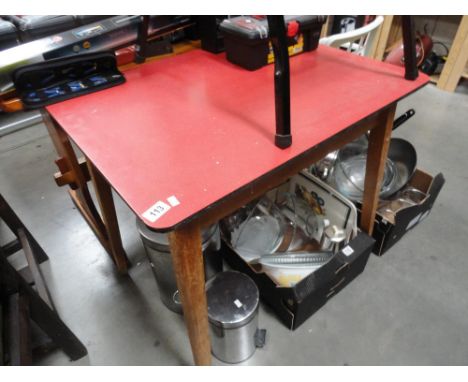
{"type": "Point", "coordinates": [197, 128]}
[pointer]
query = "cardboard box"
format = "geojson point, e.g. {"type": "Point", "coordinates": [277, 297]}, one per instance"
{"type": "Point", "coordinates": [387, 233]}
{"type": "Point", "coordinates": [295, 302]}
{"type": "Point", "coordinates": [294, 305]}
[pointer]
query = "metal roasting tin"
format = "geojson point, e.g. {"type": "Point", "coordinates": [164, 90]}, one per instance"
{"type": "Point", "coordinates": [158, 251]}
{"type": "Point", "coordinates": [233, 302]}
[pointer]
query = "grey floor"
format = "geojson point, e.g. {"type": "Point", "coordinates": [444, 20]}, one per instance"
{"type": "Point", "coordinates": [409, 307]}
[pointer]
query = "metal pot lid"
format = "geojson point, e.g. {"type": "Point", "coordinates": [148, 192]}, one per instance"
{"type": "Point", "coordinates": [162, 239]}
{"type": "Point", "coordinates": [232, 299]}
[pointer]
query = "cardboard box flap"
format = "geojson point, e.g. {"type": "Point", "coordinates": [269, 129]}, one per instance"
{"type": "Point", "coordinates": [435, 188]}
{"type": "Point", "coordinates": [421, 180]}
{"type": "Point", "coordinates": [407, 218]}
{"type": "Point", "coordinates": [327, 275]}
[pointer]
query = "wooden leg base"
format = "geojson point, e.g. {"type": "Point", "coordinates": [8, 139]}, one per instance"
{"type": "Point", "coordinates": [76, 173]}
{"type": "Point", "coordinates": [187, 256]}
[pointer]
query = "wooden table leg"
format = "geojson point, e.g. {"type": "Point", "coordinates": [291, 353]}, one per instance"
{"type": "Point", "coordinates": [186, 248]}
{"type": "Point", "coordinates": [76, 175]}
{"type": "Point", "coordinates": [379, 140]}
{"type": "Point", "coordinates": [106, 202]}
{"type": "Point", "coordinates": [68, 163]}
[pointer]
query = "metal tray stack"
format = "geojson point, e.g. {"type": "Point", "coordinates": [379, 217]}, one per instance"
{"type": "Point", "coordinates": [292, 230]}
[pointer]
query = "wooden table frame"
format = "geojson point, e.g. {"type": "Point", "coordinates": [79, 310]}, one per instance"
{"type": "Point", "coordinates": [185, 240]}
{"type": "Point", "coordinates": [76, 174]}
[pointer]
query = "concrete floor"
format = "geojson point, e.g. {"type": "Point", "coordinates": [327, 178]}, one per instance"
{"type": "Point", "coordinates": [409, 307]}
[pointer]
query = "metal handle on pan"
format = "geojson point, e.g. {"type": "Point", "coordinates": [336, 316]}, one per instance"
{"type": "Point", "coordinates": [403, 118]}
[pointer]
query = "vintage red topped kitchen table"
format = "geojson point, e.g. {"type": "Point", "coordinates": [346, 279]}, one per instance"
{"type": "Point", "coordinates": [189, 139]}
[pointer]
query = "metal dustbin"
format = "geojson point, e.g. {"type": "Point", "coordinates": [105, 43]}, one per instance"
{"type": "Point", "coordinates": [233, 301]}
{"type": "Point", "coordinates": [158, 251]}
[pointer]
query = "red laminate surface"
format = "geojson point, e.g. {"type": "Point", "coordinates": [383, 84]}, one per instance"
{"type": "Point", "coordinates": [199, 128]}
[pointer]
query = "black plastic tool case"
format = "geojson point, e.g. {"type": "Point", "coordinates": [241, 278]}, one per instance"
{"type": "Point", "coordinates": [8, 35]}
{"type": "Point", "coordinates": [246, 38]}
{"type": "Point", "coordinates": [60, 79]}
{"type": "Point", "coordinates": [33, 27]}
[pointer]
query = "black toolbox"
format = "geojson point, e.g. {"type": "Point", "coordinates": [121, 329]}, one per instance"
{"type": "Point", "coordinates": [294, 304]}
{"type": "Point", "coordinates": [246, 38]}
{"type": "Point", "coordinates": [8, 35]}
{"type": "Point", "coordinates": [56, 80]}
{"type": "Point", "coordinates": [34, 27]}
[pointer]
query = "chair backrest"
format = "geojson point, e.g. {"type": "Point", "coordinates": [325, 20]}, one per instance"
{"type": "Point", "coordinates": [358, 41]}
